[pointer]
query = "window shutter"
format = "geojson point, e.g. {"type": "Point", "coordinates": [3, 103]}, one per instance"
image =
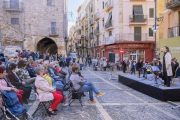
{"type": "Point", "coordinates": [150, 32]}
{"type": "Point", "coordinates": [151, 12]}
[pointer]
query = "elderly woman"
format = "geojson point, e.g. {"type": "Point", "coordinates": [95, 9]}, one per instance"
{"type": "Point", "coordinates": [47, 93]}
{"type": "Point", "coordinates": [5, 85]}
{"type": "Point", "coordinates": [24, 74]}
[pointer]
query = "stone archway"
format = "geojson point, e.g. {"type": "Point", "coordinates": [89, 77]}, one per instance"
{"type": "Point", "coordinates": [47, 45]}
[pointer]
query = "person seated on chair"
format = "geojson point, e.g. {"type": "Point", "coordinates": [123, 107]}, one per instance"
{"type": "Point", "coordinates": [174, 65]}
{"type": "Point", "coordinates": [83, 86]}
{"type": "Point", "coordinates": [46, 92]}
{"type": "Point", "coordinates": [18, 83]}
{"type": "Point", "coordinates": [139, 66]}
{"type": "Point", "coordinates": [30, 70]}
{"type": "Point", "coordinates": [23, 73]}
{"type": "Point", "coordinates": [5, 85]}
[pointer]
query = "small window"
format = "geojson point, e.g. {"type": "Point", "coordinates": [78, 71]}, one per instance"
{"type": "Point", "coordinates": [103, 54]}
{"type": "Point", "coordinates": [150, 32]}
{"type": "Point", "coordinates": [50, 2]}
{"type": "Point", "coordinates": [110, 33]}
{"type": "Point", "coordinates": [103, 5]}
{"type": "Point", "coordinates": [103, 37]}
{"type": "Point", "coordinates": [151, 13]}
{"type": "Point", "coordinates": [103, 22]}
{"type": "Point", "coordinates": [14, 21]}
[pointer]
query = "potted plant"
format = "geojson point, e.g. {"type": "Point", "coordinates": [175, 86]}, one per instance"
{"type": "Point", "coordinates": [131, 19]}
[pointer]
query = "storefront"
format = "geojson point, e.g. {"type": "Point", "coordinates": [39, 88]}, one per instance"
{"type": "Point", "coordinates": [132, 50]}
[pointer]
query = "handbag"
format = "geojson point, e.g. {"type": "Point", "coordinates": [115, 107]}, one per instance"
{"type": "Point", "coordinates": [26, 85]}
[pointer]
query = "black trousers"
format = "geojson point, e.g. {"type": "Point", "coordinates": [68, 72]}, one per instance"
{"type": "Point", "coordinates": [27, 92]}
{"type": "Point", "coordinates": [166, 79]}
{"type": "Point", "coordinates": [124, 69]}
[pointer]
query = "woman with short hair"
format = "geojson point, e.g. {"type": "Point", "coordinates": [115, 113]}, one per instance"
{"type": "Point", "coordinates": [166, 67]}
{"type": "Point", "coordinates": [46, 92]}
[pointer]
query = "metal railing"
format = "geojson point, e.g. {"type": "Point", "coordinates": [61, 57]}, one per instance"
{"type": "Point", "coordinates": [96, 16]}
{"type": "Point", "coordinates": [131, 37]}
{"type": "Point", "coordinates": [174, 31]}
{"type": "Point", "coordinates": [96, 31]}
{"type": "Point", "coordinates": [138, 18]}
{"type": "Point", "coordinates": [91, 22]}
{"type": "Point", "coordinates": [13, 6]}
{"type": "Point", "coordinates": [86, 26]}
{"type": "Point", "coordinates": [79, 37]}
{"type": "Point", "coordinates": [53, 31]}
{"type": "Point", "coordinates": [91, 36]}
{"type": "Point", "coordinates": [82, 36]}
{"type": "Point", "coordinates": [97, 43]}
{"type": "Point", "coordinates": [86, 38]}
{"type": "Point", "coordinates": [172, 4]}
{"type": "Point", "coordinates": [109, 24]}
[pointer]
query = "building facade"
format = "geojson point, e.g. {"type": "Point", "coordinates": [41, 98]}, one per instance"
{"type": "Point", "coordinates": [34, 25]}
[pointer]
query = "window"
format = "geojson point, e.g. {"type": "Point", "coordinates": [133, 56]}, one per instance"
{"type": "Point", "coordinates": [110, 33]}
{"type": "Point", "coordinates": [103, 54]}
{"type": "Point", "coordinates": [14, 21]}
{"type": "Point", "coordinates": [103, 5]}
{"type": "Point", "coordinates": [51, 2]}
{"type": "Point", "coordinates": [151, 13]}
{"type": "Point", "coordinates": [103, 22]}
{"type": "Point", "coordinates": [103, 37]}
{"type": "Point", "coordinates": [150, 32]}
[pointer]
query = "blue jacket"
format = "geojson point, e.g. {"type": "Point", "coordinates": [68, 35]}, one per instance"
{"type": "Point", "coordinates": [12, 103]}
{"type": "Point", "coordinates": [31, 72]}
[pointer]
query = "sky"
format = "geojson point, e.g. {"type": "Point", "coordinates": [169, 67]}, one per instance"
{"type": "Point", "coordinates": [72, 7]}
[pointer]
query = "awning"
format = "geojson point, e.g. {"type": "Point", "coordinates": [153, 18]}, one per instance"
{"type": "Point", "coordinates": [137, 9]}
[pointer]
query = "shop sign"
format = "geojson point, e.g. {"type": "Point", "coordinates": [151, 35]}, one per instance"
{"type": "Point", "coordinates": [136, 46]}
{"type": "Point", "coordinates": [111, 47]}
{"type": "Point", "coordinates": [121, 51]}
{"type": "Point", "coordinates": [110, 39]}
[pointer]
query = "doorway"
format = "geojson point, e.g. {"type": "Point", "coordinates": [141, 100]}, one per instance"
{"type": "Point", "coordinates": [137, 33]}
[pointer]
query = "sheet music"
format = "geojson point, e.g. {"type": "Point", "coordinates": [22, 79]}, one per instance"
{"type": "Point", "coordinates": [155, 68]}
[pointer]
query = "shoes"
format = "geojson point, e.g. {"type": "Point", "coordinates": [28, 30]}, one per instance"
{"type": "Point", "coordinates": [56, 110]}
{"type": "Point", "coordinates": [51, 112]}
{"type": "Point", "coordinates": [100, 94]}
{"type": "Point", "coordinates": [25, 101]}
{"type": "Point", "coordinates": [83, 95]}
{"type": "Point", "coordinates": [91, 102]}
{"type": "Point", "coordinates": [65, 104]}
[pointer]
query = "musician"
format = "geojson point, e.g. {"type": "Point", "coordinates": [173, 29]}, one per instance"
{"type": "Point", "coordinates": [174, 65]}
{"type": "Point", "coordinates": [139, 66]}
{"type": "Point", "coordinates": [166, 67]}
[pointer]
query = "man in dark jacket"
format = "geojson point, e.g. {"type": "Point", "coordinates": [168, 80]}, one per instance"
{"type": "Point", "coordinates": [33, 55]}
{"type": "Point", "coordinates": [47, 57]}
{"type": "Point", "coordinates": [124, 66]}
{"type": "Point", "coordinates": [174, 65]}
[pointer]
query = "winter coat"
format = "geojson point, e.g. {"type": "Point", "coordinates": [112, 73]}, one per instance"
{"type": "Point", "coordinates": [31, 72]}
{"type": "Point", "coordinates": [44, 90]}
{"type": "Point", "coordinates": [168, 58]}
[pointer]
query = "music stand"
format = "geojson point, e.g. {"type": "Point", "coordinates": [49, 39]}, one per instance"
{"type": "Point", "coordinates": [155, 70]}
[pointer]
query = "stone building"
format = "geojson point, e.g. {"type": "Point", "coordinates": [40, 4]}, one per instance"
{"type": "Point", "coordinates": [37, 25]}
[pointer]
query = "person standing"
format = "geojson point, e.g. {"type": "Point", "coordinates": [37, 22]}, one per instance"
{"type": "Point", "coordinates": [167, 68]}
{"type": "Point", "coordinates": [63, 60]}
{"type": "Point", "coordinates": [67, 61]}
{"type": "Point", "coordinates": [47, 57]}
{"type": "Point", "coordinates": [124, 66]}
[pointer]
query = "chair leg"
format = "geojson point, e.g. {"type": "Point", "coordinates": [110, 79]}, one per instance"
{"type": "Point", "coordinates": [171, 80]}
{"type": "Point", "coordinates": [174, 82]}
{"type": "Point", "coordinates": [179, 79]}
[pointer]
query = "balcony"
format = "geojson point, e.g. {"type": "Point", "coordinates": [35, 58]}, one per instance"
{"type": "Point", "coordinates": [97, 43]}
{"type": "Point", "coordinates": [91, 36]}
{"type": "Point", "coordinates": [108, 5]}
{"type": "Point", "coordinates": [82, 27]}
{"type": "Point", "coordinates": [91, 22]}
{"type": "Point", "coordinates": [96, 32]}
{"type": "Point", "coordinates": [13, 6]}
{"type": "Point", "coordinates": [86, 38]}
{"type": "Point", "coordinates": [131, 37]}
{"type": "Point", "coordinates": [109, 26]}
{"type": "Point", "coordinates": [53, 32]}
{"type": "Point", "coordinates": [79, 37]}
{"type": "Point", "coordinates": [86, 15]}
{"type": "Point", "coordinates": [173, 4]}
{"type": "Point", "coordinates": [138, 19]}
{"type": "Point", "coordinates": [86, 26]}
{"type": "Point", "coordinates": [174, 31]}
{"type": "Point", "coordinates": [79, 45]}
{"type": "Point", "coordinates": [97, 16]}
{"type": "Point", "coordinates": [82, 36]}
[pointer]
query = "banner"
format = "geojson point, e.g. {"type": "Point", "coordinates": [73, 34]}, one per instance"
{"type": "Point", "coordinates": [110, 39]}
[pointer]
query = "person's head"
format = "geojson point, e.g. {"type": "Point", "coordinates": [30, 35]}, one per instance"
{"type": "Point", "coordinates": [30, 57]}
{"type": "Point", "coordinates": [75, 69]}
{"type": "Point", "coordinates": [27, 65]}
{"type": "Point", "coordinates": [32, 63]}
{"type": "Point", "coordinates": [46, 63]}
{"type": "Point", "coordinates": [25, 59]}
{"type": "Point", "coordinates": [11, 60]}
{"type": "Point", "coordinates": [39, 71]}
{"type": "Point", "coordinates": [21, 64]}
{"type": "Point", "coordinates": [52, 64]}
{"type": "Point", "coordinates": [12, 67]}
{"type": "Point", "coordinates": [3, 72]}
{"type": "Point", "coordinates": [166, 49]}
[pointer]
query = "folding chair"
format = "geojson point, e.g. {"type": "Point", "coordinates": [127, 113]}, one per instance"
{"type": "Point", "coordinates": [42, 104]}
{"type": "Point", "coordinates": [74, 95]}
{"type": "Point", "coordinates": [177, 75]}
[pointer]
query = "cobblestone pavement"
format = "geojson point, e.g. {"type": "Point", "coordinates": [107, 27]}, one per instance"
{"type": "Point", "coordinates": [119, 103]}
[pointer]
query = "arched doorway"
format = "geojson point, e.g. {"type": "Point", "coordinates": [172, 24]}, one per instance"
{"type": "Point", "coordinates": [47, 45]}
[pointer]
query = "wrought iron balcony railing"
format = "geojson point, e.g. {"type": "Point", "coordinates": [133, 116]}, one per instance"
{"type": "Point", "coordinates": [138, 19]}
{"type": "Point", "coordinates": [173, 4]}
{"type": "Point", "coordinates": [97, 16]}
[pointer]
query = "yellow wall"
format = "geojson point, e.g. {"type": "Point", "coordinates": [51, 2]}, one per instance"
{"type": "Point", "coordinates": [174, 46]}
